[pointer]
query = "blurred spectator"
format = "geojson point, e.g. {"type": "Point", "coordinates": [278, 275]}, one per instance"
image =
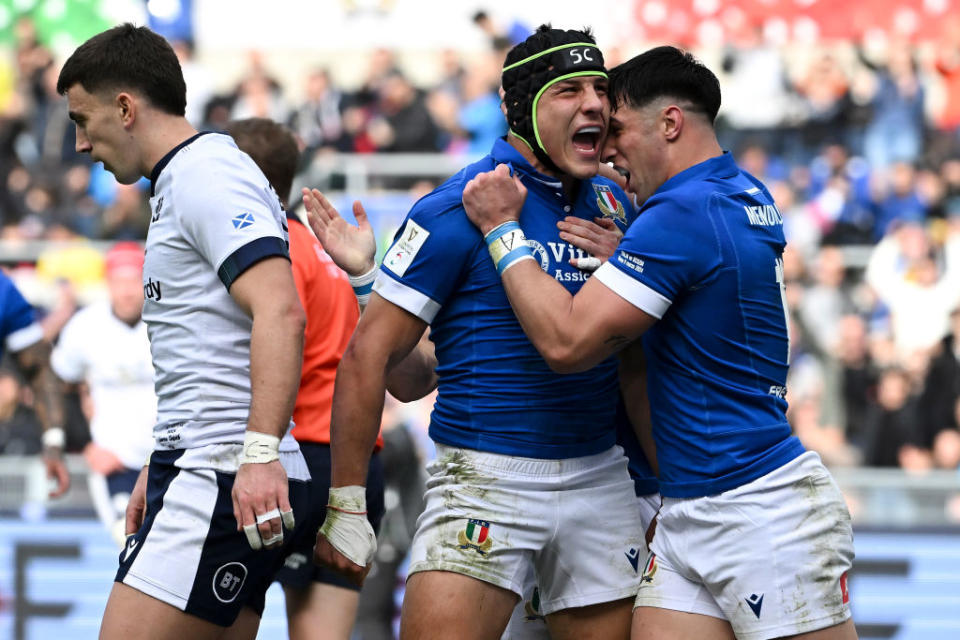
{"type": "Point", "coordinates": [756, 97]}
{"type": "Point", "coordinates": [480, 117]}
{"type": "Point", "coordinates": [895, 132]}
{"type": "Point", "coordinates": [403, 124]}
{"type": "Point", "coordinates": [317, 120]}
{"type": "Point", "coordinates": [905, 276]}
{"type": "Point", "coordinates": [891, 434]}
{"type": "Point", "coordinates": [199, 81]}
{"type": "Point", "coordinates": [823, 90]}
{"type": "Point", "coordinates": [941, 389]}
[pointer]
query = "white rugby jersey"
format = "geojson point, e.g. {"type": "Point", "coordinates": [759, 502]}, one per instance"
{"type": "Point", "coordinates": [214, 216]}
{"type": "Point", "coordinates": [113, 358]}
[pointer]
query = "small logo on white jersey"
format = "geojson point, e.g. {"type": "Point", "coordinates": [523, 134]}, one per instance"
{"type": "Point", "coordinates": [130, 547]}
{"type": "Point", "coordinates": [400, 256]}
{"type": "Point", "coordinates": [228, 580]}
{"type": "Point", "coordinates": [242, 221]}
{"type": "Point", "coordinates": [755, 602]}
{"type": "Point", "coordinates": [151, 290]}
{"type": "Point", "coordinates": [156, 213]}
{"type": "Point", "coordinates": [633, 556]}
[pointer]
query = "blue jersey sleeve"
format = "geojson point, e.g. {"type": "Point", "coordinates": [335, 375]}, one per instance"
{"type": "Point", "coordinates": [662, 255]}
{"type": "Point", "coordinates": [424, 265]}
{"type": "Point", "coordinates": [18, 328]}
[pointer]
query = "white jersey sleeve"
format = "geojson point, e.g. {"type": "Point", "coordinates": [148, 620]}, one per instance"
{"type": "Point", "coordinates": [229, 219]}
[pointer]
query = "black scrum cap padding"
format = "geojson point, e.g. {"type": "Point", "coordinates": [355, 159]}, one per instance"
{"type": "Point", "coordinates": [525, 80]}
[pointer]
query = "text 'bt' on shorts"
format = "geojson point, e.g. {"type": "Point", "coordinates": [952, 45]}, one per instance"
{"type": "Point", "coordinates": [771, 556]}
{"type": "Point", "coordinates": [188, 552]}
{"type": "Point", "coordinates": [493, 517]}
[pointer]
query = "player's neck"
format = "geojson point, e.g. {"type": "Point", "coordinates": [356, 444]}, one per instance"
{"type": "Point", "coordinates": [569, 183]}
{"type": "Point", "coordinates": [164, 132]}
{"type": "Point", "coordinates": [692, 152]}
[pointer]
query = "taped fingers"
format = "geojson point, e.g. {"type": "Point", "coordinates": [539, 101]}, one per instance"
{"type": "Point", "coordinates": [268, 529]}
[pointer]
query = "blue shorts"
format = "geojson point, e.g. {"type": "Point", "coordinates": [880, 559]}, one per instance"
{"type": "Point", "coordinates": [188, 552]}
{"type": "Point", "coordinates": [298, 570]}
{"type": "Point", "coordinates": [122, 482]}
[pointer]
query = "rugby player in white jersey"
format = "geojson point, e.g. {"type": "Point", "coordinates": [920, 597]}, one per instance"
{"type": "Point", "coordinates": [226, 335]}
{"type": "Point", "coordinates": [105, 347]}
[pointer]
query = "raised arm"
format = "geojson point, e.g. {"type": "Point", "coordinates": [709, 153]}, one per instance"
{"type": "Point", "coordinates": [353, 249]}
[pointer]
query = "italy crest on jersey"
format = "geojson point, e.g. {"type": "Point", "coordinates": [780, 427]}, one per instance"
{"type": "Point", "coordinates": [476, 536]}
{"type": "Point", "coordinates": [609, 205]}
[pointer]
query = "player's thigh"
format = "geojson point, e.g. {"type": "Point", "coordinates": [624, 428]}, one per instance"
{"type": "Point", "coordinates": [132, 615]}
{"type": "Point", "coordinates": [772, 554]}
{"type": "Point", "coordinates": [320, 611]}
{"type": "Point", "coordinates": [843, 631]}
{"type": "Point", "coordinates": [438, 605]}
{"type": "Point", "coordinates": [652, 623]}
{"type": "Point", "coordinates": [245, 627]}
{"type": "Point", "coordinates": [605, 621]}
{"type": "Point", "coordinates": [598, 550]}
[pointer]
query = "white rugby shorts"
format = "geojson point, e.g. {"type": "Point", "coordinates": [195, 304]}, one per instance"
{"type": "Point", "coordinates": [527, 622]}
{"type": "Point", "coordinates": [575, 521]}
{"type": "Point", "coordinates": [771, 556]}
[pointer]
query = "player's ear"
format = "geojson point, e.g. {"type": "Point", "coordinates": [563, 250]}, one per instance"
{"type": "Point", "coordinates": [503, 105]}
{"type": "Point", "coordinates": [126, 108]}
{"type": "Point", "coordinates": [672, 122]}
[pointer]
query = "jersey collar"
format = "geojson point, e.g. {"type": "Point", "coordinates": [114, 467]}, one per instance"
{"type": "Point", "coordinates": [722, 166]}
{"type": "Point", "coordinates": [504, 153]}
{"type": "Point", "coordinates": [157, 168]}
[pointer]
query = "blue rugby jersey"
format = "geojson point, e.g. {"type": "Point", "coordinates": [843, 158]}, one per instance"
{"type": "Point", "coordinates": [18, 327]}
{"type": "Point", "coordinates": [705, 257]}
{"type": "Point", "coordinates": [496, 393]}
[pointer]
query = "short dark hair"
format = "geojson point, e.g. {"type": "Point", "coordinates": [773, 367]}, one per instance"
{"type": "Point", "coordinates": [665, 72]}
{"type": "Point", "coordinates": [128, 58]}
{"type": "Point", "coordinates": [272, 146]}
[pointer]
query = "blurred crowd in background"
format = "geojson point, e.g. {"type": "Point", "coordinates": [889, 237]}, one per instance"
{"type": "Point", "coordinates": [857, 138]}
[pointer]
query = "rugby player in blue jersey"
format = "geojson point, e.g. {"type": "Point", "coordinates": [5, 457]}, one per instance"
{"type": "Point", "coordinates": [753, 539]}
{"type": "Point", "coordinates": [527, 472]}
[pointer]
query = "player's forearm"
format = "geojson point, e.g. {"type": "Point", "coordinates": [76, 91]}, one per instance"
{"type": "Point", "coordinates": [35, 363]}
{"type": "Point", "coordinates": [547, 313]}
{"type": "Point", "coordinates": [276, 354]}
{"type": "Point", "coordinates": [355, 418]}
{"type": "Point", "coordinates": [415, 376]}
{"type": "Point", "coordinates": [633, 387]}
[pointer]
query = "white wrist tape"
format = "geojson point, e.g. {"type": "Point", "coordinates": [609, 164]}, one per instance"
{"type": "Point", "coordinates": [363, 285]}
{"type": "Point", "coordinates": [589, 263]}
{"type": "Point", "coordinates": [259, 448]}
{"type": "Point", "coordinates": [346, 526]}
{"type": "Point", "coordinates": [54, 438]}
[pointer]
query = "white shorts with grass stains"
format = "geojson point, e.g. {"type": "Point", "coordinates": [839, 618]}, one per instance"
{"type": "Point", "coordinates": [576, 522]}
{"type": "Point", "coordinates": [771, 556]}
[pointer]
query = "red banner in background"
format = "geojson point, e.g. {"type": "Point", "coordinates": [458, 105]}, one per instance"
{"type": "Point", "coordinates": [713, 22]}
